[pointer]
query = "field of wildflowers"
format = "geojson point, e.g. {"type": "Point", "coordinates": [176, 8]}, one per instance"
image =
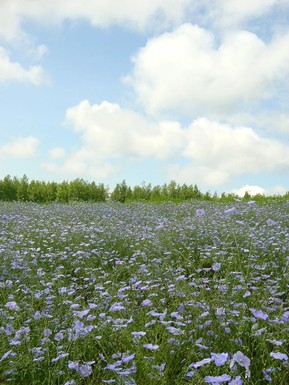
{"type": "Point", "coordinates": [167, 294]}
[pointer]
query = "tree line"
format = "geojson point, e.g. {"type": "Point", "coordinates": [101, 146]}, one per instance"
{"type": "Point", "coordinates": [23, 190]}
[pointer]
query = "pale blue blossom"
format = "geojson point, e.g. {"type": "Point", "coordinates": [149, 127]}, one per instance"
{"type": "Point", "coordinates": [216, 266]}
{"type": "Point", "coordinates": [81, 314]}
{"type": "Point", "coordinates": [220, 358]}
{"type": "Point", "coordinates": [266, 374]}
{"type": "Point", "coordinates": [12, 305]}
{"type": "Point", "coordinates": [151, 346]}
{"type": "Point", "coordinates": [259, 314]}
{"type": "Point", "coordinates": [200, 212]}
{"type": "Point", "coordinates": [217, 379]}
{"type": "Point", "coordinates": [85, 370]}
{"type": "Point", "coordinates": [116, 307]}
{"type": "Point", "coordinates": [9, 353]}
{"type": "Point", "coordinates": [174, 331]}
{"type": "Point", "coordinates": [37, 315]}
{"type": "Point", "coordinates": [241, 360]}
{"type": "Point", "coordinates": [138, 334]}
{"type": "Point", "coordinates": [126, 359]}
{"type": "Point", "coordinates": [59, 357]}
{"type": "Point", "coordinates": [73, 365]}
{"type": "Point", "coordinates": [279, 356]}
{"type": "Point", "coordinates": [146, 302]}
{"type": "Point", "coordinates": [198, 364]}
{"type": "Point", "coordinates": [59, 336]}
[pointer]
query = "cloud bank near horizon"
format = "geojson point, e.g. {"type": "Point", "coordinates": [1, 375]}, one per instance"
{"type": "Point", "coordinates": [210, 152]}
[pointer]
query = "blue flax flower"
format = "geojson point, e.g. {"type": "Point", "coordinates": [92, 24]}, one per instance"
{"type": "Point", "coordinates": [242, 360]}
{"type": "Point", "coordinates": [220, 358]}
{"type": "Point", "coordinates": [259, 314]}
{"type": "Point", "coordinates": [217, 379]}
{"type": "Point", "coordinates": [198, 364]}
{"type": "Point", "coordinates": [151, 346]}
{"type": "Point", "coordinates": [279, 356]}
{"type": "Point", "coordinates": [12, 305]}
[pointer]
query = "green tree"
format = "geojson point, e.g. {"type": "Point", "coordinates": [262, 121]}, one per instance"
{"type": "Point", "coordinates": [247, 196]}
{"type": "Point", "coordinates": [78, 190]}
{"type": "Point", "coordinates": [197, 192]}
{"type": "Point", "coordinates": [142, 192]}
{"type": "Point", "coordinates": [164, 191]}
{"type": "Point", "coordinates": [37, 191]}
{"type": "Point", "coordinates": [22, 189]}
{"type": "Point", "coordinates": [172, 189]}
{"type": "Point", "coordinates": [207, 196]}
{"type": "Point", "coordinates": [97, 193]}
{"type": "Point", "coordinates": [51, 191]}
{"type": "Point", "coordinates": [121, 192]}
{"type": "Point", "coordinates": [156, 193]}
{"type": "Point", "coordinates": [62, 193]}
{"type": "Point", "coordinates": [8, 189]}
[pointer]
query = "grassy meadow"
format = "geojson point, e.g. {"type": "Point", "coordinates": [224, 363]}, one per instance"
{"type": "Point", "coordinates": [140, 293]}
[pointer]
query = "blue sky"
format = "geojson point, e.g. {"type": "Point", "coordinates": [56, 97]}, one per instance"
{"type": "Point", "coordinates": [194, 91]}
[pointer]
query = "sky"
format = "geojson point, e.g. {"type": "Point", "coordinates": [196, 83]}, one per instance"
{"type": "Point", "coordinates": [150, 91]}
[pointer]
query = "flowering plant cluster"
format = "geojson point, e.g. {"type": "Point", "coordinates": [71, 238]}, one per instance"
{"type": "Point", "coordinates": [141, 294]}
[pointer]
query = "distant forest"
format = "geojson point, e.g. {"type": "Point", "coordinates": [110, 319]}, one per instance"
{"type": "Point", "coordinates": [79, 190]}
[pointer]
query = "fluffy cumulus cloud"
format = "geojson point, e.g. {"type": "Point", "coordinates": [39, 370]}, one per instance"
{"type": "Point", "coordinates": [22, 147]}
{"type": "Point", "coordinates": [13, 71]}
{"type": "Point", "coordinates": [187, 71]}
{"type": "Point", "coordinates": [217, 151]}
{"type": "Point", "coordinates": [110, 134]}
{"type": "Point", "coordinates": [206, 150]}
{"type": "Point", "coordinates": [137, 15]}
{"type": "Point", "coordinates": [117, 131]}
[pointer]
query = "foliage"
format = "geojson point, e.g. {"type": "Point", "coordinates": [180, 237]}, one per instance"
{"type": "Point", "coordinates": [121, 193]}
{"type": "Point", "coordinates": [79, 190]}
{"type": "Point", "coordinates": [46, 192]}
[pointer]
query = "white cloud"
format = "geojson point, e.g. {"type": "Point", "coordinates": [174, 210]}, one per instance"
{"type": "Point", "coordinates": [157, 15]}
{"type": "Point", "coordinates": [216, 151]}
{"type": "Point", "coordinates": [266, 120]}
{"type": "Point", "coordinates": [228, 13]}
{"type": "Point", "coordinates": [186, 71]}
{"type": "Point", "coordinates": [57, 153]}
{"type": "Point", "coordinates": [115, 132]}
{"type": "Point", "coordinates": [22, 147]}
{"type": "Point", "coordinates": [111, 137]}
{"type": "Point", "coordinates": [206, 152]}
{"type": "Point", "coordinates": [9, 20]}
{"type": "Point", "coordinates": [129, 13]}
{"type": "Point", "coordinates": [238, 149]}
{"type": "Point", "coordinates": [254, 190]}
{"type": "Point", "coordinates": [12, 71]}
